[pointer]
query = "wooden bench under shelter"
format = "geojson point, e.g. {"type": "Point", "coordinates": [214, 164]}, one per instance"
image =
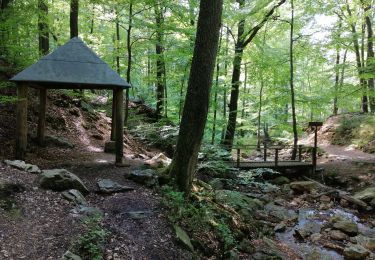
{"type": "Point", "coordinates": [71, 66]}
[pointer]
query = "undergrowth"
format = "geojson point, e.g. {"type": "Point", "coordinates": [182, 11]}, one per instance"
{"type": "Point", "coordinates": [90, 245]}
{"type": "Point", "coordinates": [201, 220]}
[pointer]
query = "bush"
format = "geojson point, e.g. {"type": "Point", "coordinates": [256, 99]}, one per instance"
{"type": "Point", "coordinates": [90, 244]}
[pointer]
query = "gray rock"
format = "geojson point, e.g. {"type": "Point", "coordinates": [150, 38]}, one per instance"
{"type": "Point", "coordinates": [86, 211]}
{"type": "Point", "coordinates": [146, 177]}
{"type": "Point", "coordinates": [280, 212]}
{"type": "Point", "coordinates": [319, 255]}
{"type": "Point", "coordinates": [217, 183]}
{"type": "Point", "coordinates": [280, 180]}
{"type": "Point", "coordinates": [303, 186]}
{"type": "Point", "coordinates": [107, 186]}
{"type": "Point", "coordinates": [366, 195]}
{"type": "Point", "coordinates": [110, 147]}
{"type": "Point", "coordinates": [60, 180]}
{"type": "Point", "coordinates": [240, 202]}
{"type": "Point", "coordinates": [183, 238]}
{"type": "Point", "coordinates": [355, 252]}
{"type": "Point", "coordinates": [21, 165]}
{"type": "Point", "coordinates": [346, 226]}
{"type": "Point", "coordinates": [337, 235]}
{"type": "Point", "coordinates": [366, 242]}
{"type": "Point", "coordinates": [139, 214]}
{"type": "Point", "coordinates": [70, 256]}
{"type": "Point", "coordinates": [58, 141]}
{"type": "Point", "coordinates": [280, 227]}
{"type": "Point", "coordinates": [75, 196]}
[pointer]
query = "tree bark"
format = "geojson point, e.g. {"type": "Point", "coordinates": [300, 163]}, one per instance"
{"type": "Point", "coordinates": [129, 67]}
{"type": "Point", "coordinates": [74, 5]}
{"type": "Point", "coordinates": [243, 39]}
{"type": "Point", "coordinates": [362, 82]}
{"type": "Point", "coordinates": [370, 63]}
{"type": "Point", "coordinates": [197, 99]}
{"type": "Point", "coordinates": [43, 29]}
{"type": "Point", "coordinates": [160, 63]}
{"type": "Point", "coordinates": [292, 94]}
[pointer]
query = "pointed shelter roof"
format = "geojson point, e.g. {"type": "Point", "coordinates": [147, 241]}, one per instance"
{"type": "Point", "coordinates": [73, 65]}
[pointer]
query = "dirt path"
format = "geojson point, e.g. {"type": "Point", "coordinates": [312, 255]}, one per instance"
{"type": "Point", "coordinates": [347, 153]}
{"type": "Point", "coordinates": [44, 226]}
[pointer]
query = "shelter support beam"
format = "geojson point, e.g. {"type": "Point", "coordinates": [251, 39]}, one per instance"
{"type": "Point", "coordinates": [42, 116]}
{"type": "Point", "coordinates": [113, 124]}
{"type": "Point", "coordinates": [21, 125]}
{"type": "Point", "coordinates": [119, 107]}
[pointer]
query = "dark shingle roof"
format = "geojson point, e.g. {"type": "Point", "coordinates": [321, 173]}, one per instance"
{"type": "Point", "coordinates": [73, 63]}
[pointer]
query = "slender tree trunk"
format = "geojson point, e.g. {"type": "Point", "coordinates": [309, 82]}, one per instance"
{"type": "Point", "coordinates": [225, 86]}
{"type": "Point", "coordinates": [243, 39]}
{"type": "Point", "coordinates": [233, 103]}
{"type": "Point", "coordinates": [370, 63]}
{"type": "Point", "coordinates": [4, 4]}
{"type": "Point", "coordinates": [337, 72]}
{"type": "Point", "coordinates": [43, 29]}
{"type": "Point", "coordinates": [216, 92]}
{"type": "Point", "coordinates": [160, 66]}
{"type": "Point", "coordinates": [362, 82]}
{"type": "Point", "coordinates": [129, 67]}
{"type": "Point", "coordinates": [293, 102]}
{"type": "Point", "coordinates": [74, 5]}
{"type": "Point", "coordinates": [197, 99]}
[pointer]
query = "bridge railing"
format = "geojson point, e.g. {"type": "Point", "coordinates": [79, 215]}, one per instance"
{"type": "Point", "coordinates": [271, 153]}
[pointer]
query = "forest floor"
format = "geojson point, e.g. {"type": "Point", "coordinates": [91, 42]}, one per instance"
{"type": "Point", "coordinates": [41, 224]}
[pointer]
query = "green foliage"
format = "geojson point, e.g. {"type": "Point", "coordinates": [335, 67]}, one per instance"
{"type": "Point", "coordinates": [199, 217]}
{"type": "Point", "coordinates": [90, 244]}
{"type": "Point", "coordinates": [358, 130]}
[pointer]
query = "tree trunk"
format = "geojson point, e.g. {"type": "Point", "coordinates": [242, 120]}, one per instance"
{"type": "Point", "coordinates": [225, 86]}
{"type": "Point", "coordinates": [197, 99]}
{"type": "Point", "coordinates": [216, 93]}
{"type": "Point", "coordinates": [362, 82]}
{"type": "Point", "coordinates": [337, 73]}
{"type": "Point", "coordinates": [129, 67]}
{"type": "Point", "coordinates": [293, 102]}
{"type": "Point", "coordinates": [74, 5]}
{"type": "Point", "coordinates": [43, 29]}
{"type": "Point", "coordinates": [242, 41]}
{"type": "Point", "coordinates": [160, 66]}
{"type": "Point", "coordinates": [370, 64]}
{"type": "Point", "coordinates": [233, 103]}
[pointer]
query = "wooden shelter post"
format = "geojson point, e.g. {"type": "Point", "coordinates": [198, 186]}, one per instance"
{"type": "Point", "coordinates": [113, 124]}
{"type": "Point", "coordinates": [42, 115]}
{"type": "Point", "coordinates": [21, 125]}
{"type": "Point", "coordinates": [119, 107]}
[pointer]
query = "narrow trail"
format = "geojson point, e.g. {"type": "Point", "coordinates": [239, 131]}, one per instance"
{"type": "Point", "coordinates": [347, 153]}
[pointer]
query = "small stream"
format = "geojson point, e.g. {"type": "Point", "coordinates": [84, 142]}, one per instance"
{"type": "Point", "coordinates": [314, 220]}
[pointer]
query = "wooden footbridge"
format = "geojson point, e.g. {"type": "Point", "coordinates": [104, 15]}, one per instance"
{"type": "Point", "coordinates": [306, 157]}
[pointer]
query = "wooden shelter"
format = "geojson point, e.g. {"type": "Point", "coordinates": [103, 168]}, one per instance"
{"type": "Point", "coordinates": [71, 66]}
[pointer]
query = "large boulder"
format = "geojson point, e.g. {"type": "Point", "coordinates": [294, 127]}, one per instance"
{"type": "Point", "coordinates": [366, 195]}
{"type": "Point", "coordinates": [366, 242]}
{"type": "Point", "coordinates": [60, 180]}
{"type": "Point", "coordinates": [240, 202]}
{"type": "Point", "coordinates": [21, 165]}
{"type": "Point", "coordinates": [58, 141]}
{"type": "Point", "coordinates": [355, 252]}
{"type": "Point", "coordinates": [75, 196]}
{"type": "Point", "coordinates": [303, 186]}
{"type": "Point", "coordinates": [146, 177]}
{"type": "Point", "coordinates": [159, 161]}
{"type": "Point", "coordinates": [107, 186]}
{"type": "Point", "coordinates": [346, 226]}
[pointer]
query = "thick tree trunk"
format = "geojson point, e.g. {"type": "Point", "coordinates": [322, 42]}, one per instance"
{"type": "Point", "coordinates": [160, 63]}
{"type": "Point", "coordinates": [74, 5]}
{"type": "Point", "coordinates": [197, 99]}
{"type": "Point", "coordinates": [293, 101]}
{"type": "Point", "coordinates": [43, 29]}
